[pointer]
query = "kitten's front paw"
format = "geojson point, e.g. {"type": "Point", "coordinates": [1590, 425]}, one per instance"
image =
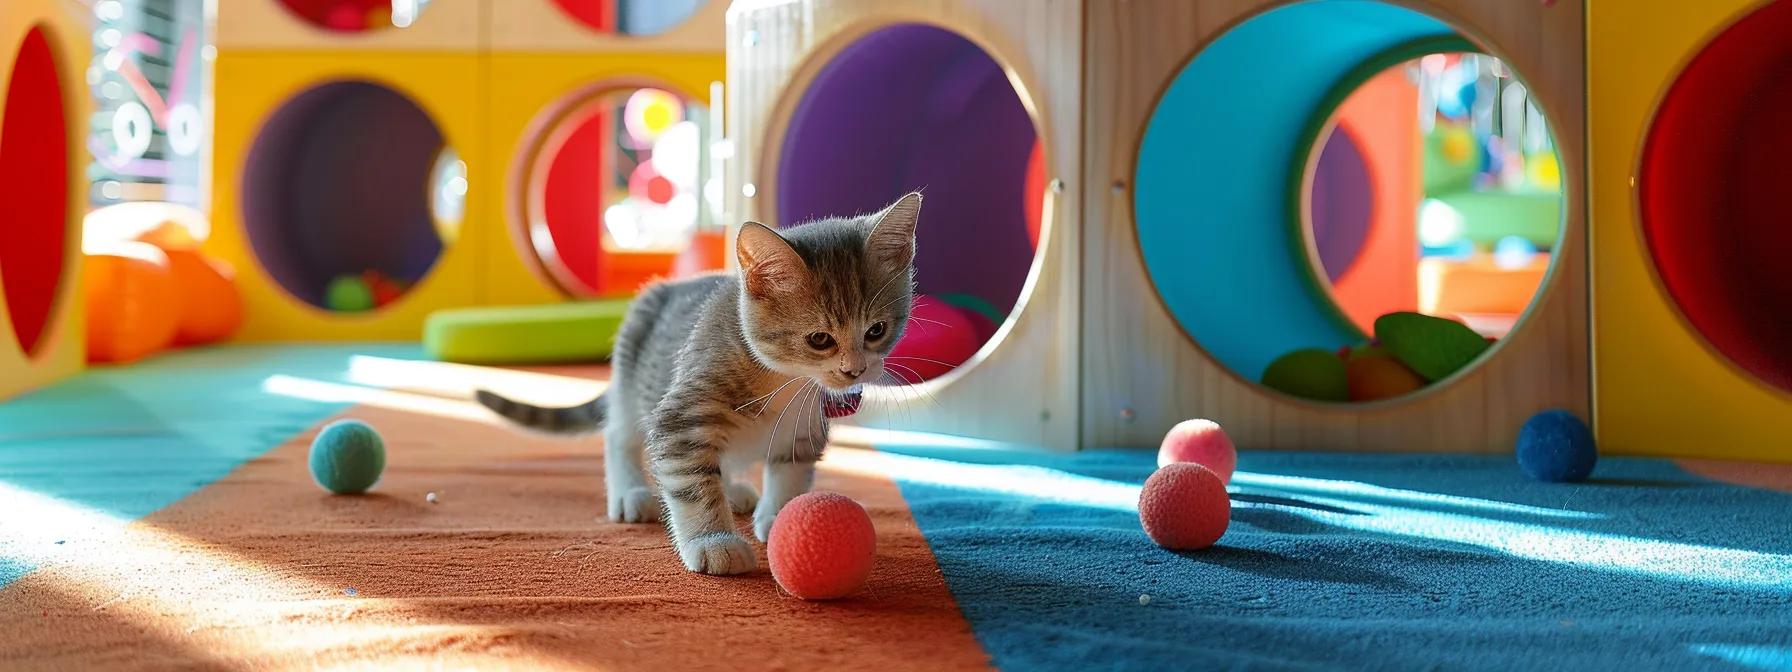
{"type": "Point", "coordinates": [721, 553]}
{"type": "Point", "coordinates": [762, 525]}
{"type": "Point", "coordinates": [742, 497]}
{"type": "Point", "coordinates": [634, 505]}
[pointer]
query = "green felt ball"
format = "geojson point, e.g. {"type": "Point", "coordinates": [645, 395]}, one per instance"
{"type": "Point", "coordinates": [347, 457]}
{"type": "Point", "coordinates": [1431, 346]}
{"type": "Point", "coordinates": [1310, 374]}
{"type": "Point", "coordinates": [348, 294]}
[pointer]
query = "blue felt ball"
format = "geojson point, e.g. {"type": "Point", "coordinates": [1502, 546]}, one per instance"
{"type": "Point", "coordinates": [347, 457]}
{"type": "Point", "coordinates": [1555, 446]}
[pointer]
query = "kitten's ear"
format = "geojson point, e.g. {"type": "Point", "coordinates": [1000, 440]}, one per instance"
{"type": "Point", "coordinates": [768, 264]}
{"type": "Point", "coordinates": [892, 239]}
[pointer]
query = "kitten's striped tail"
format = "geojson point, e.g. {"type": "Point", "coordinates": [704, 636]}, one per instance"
{"type": "Point", "coordinates": [580, 419]}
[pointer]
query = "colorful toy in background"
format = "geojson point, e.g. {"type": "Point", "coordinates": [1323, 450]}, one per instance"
{"type": "Point", "coordinates": [1486, 189]}
{"type": "Point", "coordinates": [1409, 352]}
{"type": "Point", "coordinates": [354, 16]}
{"type": "Point", "coordinates": [628, 185]}
{"type": "Point", "coordinates": [367, 291]}
{"type": "Point", "coordinates": [943, 333]}
{"type": "Point", "coordinates": [156, 291]}
{"type": "Point", "coordinates": [630, 17]}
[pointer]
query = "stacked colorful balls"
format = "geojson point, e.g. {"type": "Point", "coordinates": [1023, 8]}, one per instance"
{"type": "Point", "coordinates": [1184, 505]}
{"type": "Point", "coordinates": [1409, 352]}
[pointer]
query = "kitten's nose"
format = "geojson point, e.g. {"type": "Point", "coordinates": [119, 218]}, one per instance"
{"type": "Point", "coordinates": [853, 373]}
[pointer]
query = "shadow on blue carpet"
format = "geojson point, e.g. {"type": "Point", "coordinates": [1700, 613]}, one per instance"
{"type": "Point", "coordinates": [1360, 561]}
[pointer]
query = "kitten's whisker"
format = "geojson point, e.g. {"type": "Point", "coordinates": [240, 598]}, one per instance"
{"type": "Point", "coordinates": [774, 394]}
{"type": "Point", "coordinates": [923, 359]}
{"type": "Point", "coordinates": [772, 437]}
{"type": "Point", "coordinates": [928, 396]}
{"type": "Point", "coordinates": [766, 395]}
{"type": "Point", "coordinates": [918, 318]}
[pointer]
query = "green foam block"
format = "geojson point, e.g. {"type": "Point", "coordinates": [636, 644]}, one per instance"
{"type": "Point", "coordinates": [1309, 374]}
{"type": "Point", "coordinates": [547, 334]}
{"type": "Point", "coordinates": [1431, 346]}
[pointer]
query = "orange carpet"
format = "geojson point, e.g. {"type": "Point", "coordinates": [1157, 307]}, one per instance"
{"type": "Point", "coordinates": [510, 568]}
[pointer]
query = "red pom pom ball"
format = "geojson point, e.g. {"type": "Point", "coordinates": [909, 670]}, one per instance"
{"type": "Point", "coordinates": [822, 546]}
{"type": "Point", "coordinates": [1201, 442]}
{"type": "Point", "coordinates": [1183, 507]}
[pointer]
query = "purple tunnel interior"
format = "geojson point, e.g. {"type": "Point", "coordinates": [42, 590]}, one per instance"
{"type": "Point", "coordinates": [1341, 203]}
{"type": "Point", "coordinates": [919, 107]}
{"type": "Point", "coordinates": [337, 184]}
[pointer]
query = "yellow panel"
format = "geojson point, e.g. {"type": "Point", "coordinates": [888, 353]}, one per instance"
{"type": "Point", "coordinates": [528, 92]}
{"type": "Point", "coordinates": [251, 87]}
{"type": "Point", "coordinates": [61, 349]}
{"type": "Point", "coordinates": [1659, 388]}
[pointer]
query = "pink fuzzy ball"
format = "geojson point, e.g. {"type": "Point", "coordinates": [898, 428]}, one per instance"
{"type": "Point", "coordinates": [938, 339]}
{"type": "Point", "coordinates": [822, 546]}
{"type": "Point", "coordinates": [1201, 442]}
{"type": "Point", "coordinates": [1184, 506]}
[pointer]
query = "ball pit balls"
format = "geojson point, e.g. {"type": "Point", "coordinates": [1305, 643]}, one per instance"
{"type": "Point", "coordinates": [347, 457]}
{"type": "Point", "coordinates": [1555, 446]}
{"type": "Point", "coordinates": [1309, 374]}
{"type": "Point", "coordinates": [822, 546]}
{"type": "Point", "coordinates": [1373, 377]}
{"type": "Point", "coordinates": [1184, 507]}
{"type": "Point", "coordinates": [1202, 442]}
{"type": "Point", "coordinates": [348, 294]}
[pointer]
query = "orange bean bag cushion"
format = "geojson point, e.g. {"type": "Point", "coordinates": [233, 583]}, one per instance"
{"type": "Point", "coordinates": [131, 303]}
{"type": "Point", "coordinates": [205, 288]}
{"type": "Point", "coordinates": [210, 307]}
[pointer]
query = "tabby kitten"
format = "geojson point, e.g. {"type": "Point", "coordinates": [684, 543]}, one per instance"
{"type": "Point", "coordinates": [715, 373]}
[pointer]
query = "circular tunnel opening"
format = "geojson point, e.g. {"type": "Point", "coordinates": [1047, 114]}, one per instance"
{"type": "Point", "coordinates": [1714, 163]}
{"type": "Point", "coordinates": [918, 107]}
{"type": "Point", "coordinates": [622, 183]}
{"type": "Point", "coordinates": [356, 16]}
{"type": "Point", "coordinates": [631, 17]}
{"type": "Point", "coordinates": [342, 195]}
{"type": "Point", "coordinates": [1287, 184]}
{"type": "Point", "coordinates": [34, 186]}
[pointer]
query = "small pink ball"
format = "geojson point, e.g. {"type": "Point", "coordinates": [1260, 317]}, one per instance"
{"type": "Point", "coordinates": [1184, 506]}
{"type": "Point", "coordinates": [1201, 442]}
{"type": "Point", "coordinates": [822, 546]}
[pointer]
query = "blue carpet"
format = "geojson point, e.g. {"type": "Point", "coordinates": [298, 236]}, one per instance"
{"type": "Point", "coordinates": [127, 441]}
{"type": "Point", "coordinates": [1361, 561]}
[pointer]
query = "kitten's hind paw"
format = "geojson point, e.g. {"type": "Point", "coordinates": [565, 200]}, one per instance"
{"type": "Point", "coordinates": [720, 553]}
{"type": "Point", "coordinates": [634, 505]}
{"type": "Point", "coordinates": [742, 497]}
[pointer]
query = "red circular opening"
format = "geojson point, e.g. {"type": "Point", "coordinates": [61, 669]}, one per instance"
{"type": "Point", "coordinates": [631, 17]}
{"type": "Point", "coordinates": [617, 190]}
{"type": "Point", "coordinates": [346, 16]}
{"type": "Point", "coordinates": [1712, 203]}
{"type": "Point", "coordinates": [34, 187]}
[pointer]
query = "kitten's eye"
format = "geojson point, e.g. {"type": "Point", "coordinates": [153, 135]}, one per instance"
{"type": "Point", "coordinates": [875, 332]}
{"type": "Point", "coordinates": [821, 340]}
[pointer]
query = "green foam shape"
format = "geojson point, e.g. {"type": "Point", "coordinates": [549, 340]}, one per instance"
{"type": "Point", "coordinates": [1431, 346]}
{"type": "Point", "coordinates": [582, 331]}
{"type": "Point", "coordinates": [1309, 374]}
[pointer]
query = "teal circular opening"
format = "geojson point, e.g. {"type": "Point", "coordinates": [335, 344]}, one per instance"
{"type": "Point", "coordinates": [1218, 222]}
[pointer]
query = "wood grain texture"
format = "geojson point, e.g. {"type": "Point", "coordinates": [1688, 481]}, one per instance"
{"type": "Point", "coordinates": [1023, 387]}
{"type": "Point", "coordinates": [1141, 371]}
{"type": "Point", "coordinates": [446, 25]}
{"type": "Point", "coordinates": [540, 26]}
